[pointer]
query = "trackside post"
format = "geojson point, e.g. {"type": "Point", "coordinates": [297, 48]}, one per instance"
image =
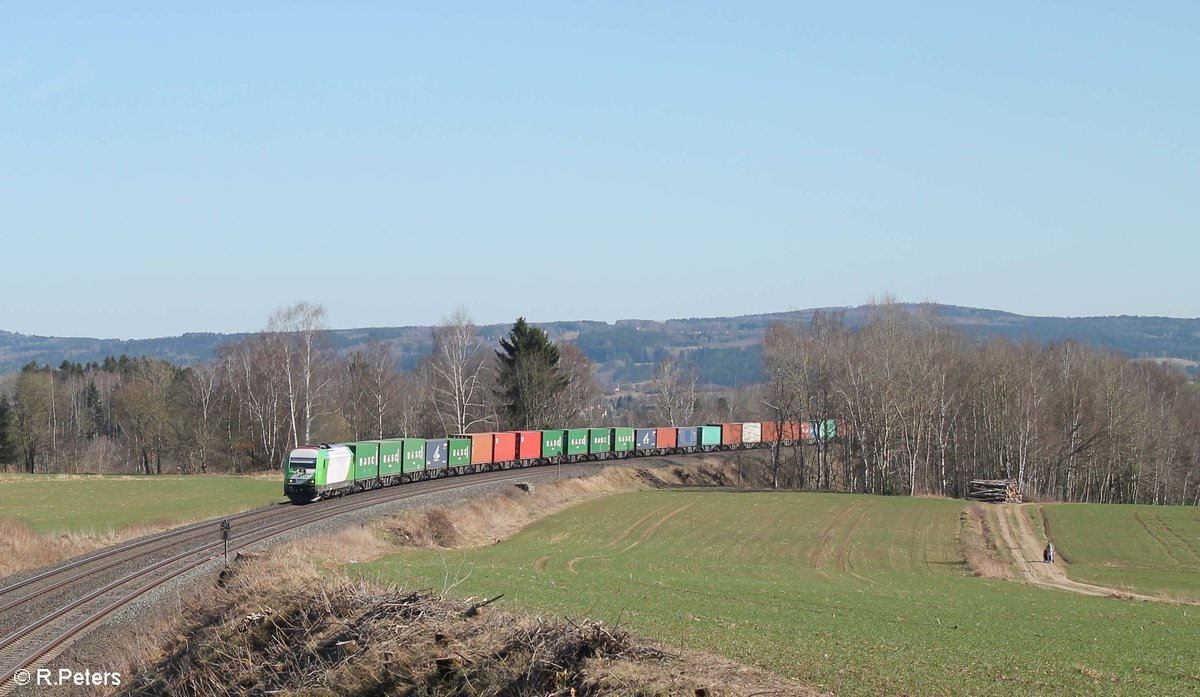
{"type": "Point", "coordinates": [225, 539]}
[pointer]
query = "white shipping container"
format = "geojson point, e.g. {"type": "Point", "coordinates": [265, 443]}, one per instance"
{"type": "Point", "coordinates": [752, 432]}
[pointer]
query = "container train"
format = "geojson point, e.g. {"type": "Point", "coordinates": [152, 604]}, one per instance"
{"type": "Point", "coordinates": [321, 471]}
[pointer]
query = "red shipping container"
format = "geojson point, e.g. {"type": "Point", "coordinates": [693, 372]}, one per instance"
{"type": "Point", "coordinates": [806, 430]}
{"type": "Point", "coordinates": [504, 447]}
{"type": "Point", "coordinates": [666, 437]}
{"type": "Point", "coordinates": [731, 434]}
{"type": "Point", "coordinates": [481, 447]}
{"type": "Point", "coordinates": [529, 445]}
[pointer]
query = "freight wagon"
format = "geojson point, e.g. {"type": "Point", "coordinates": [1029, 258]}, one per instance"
{"type": "Point", "coordinates": [313, 472]}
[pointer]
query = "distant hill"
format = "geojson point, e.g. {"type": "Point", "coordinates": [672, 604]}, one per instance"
{"type": "Point", "coordinates": [725, 349]}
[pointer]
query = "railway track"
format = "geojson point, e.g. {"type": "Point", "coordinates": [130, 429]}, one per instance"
{"type": "Point", "coordinates": [41, 614]}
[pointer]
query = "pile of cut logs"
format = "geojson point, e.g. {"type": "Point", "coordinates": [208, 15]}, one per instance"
{"type": "Point", "coordinates": [995, 491]}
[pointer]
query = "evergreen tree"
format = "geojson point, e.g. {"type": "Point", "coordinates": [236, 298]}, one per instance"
{"type": "Point", "coordinates": [8, 448]}
{"type": "Point", "coordinates": [95, 409]}
{"type": "Point", "coordinates": [529, 379]}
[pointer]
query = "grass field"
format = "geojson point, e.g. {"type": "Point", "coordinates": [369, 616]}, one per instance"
{"type": "Point", "coordinates": [1146, 549]}
{"type": "Point", "coordinates": [863, 595]}
{"type": "Point", "coordinates": [93, 504]}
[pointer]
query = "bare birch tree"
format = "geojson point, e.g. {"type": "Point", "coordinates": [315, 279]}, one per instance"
{"type": "Point", "coordinates": [261, 391]}
{"type": "Point", "coordinates": [203, 385]}
{"type": "Point", "coordinates": [300, 333]}
{"type": "Point", "coordinates": [675, 392]}
{"type": "Point", "coordinates": [783, 397]}
{"type": "Point", "coordinates": [458, 384]}
{"type": "Point", "coordinates": [372, 391]}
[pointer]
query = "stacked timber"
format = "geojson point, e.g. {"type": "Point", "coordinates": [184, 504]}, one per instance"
{"type": "Point", "coordinates": [995, 491]}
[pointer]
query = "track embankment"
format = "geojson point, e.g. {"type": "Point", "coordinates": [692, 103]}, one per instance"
{"type": "Point", "coordinates": [1015, 529]}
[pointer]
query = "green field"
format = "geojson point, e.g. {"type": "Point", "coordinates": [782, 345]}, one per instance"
{"type": "Point", "coordinates": [1145, 549]}
{"type": "Point", "coordinates": [863, 595]}
{"type": "Point", "coordinates": [94, 504]}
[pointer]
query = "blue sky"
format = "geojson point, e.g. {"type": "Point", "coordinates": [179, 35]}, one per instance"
{"type": "Point", "coordinates": [167, 169]}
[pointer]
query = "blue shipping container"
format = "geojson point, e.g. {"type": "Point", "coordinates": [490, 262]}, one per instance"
{"type": "Point", "coordinates": [688, 437]}
{"type": "Point", "coordinates": [436, 453]}
{"type": "Point", "coordinates": [646, 438]}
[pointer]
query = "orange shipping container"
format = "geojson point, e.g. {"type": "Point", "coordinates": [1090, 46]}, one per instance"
{"type": "Point", "coordinates": [666, 437]}
{"type": "Point", "coordinates": [770, 431]}
{"type": "Point", "coordinates": [481, 447]}
{"type": "Point", "coordinates": [731, 434]}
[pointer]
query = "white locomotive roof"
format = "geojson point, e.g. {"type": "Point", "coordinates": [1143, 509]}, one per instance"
{"type": "Point", "coordinates": [310, 452]}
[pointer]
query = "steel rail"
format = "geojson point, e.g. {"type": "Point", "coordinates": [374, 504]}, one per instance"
{"type": "Point", "coordinates": [119, 555]}
{"type": "Point", "coordinates": [244, 540]}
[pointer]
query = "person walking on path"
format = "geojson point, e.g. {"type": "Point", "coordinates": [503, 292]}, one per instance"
{"type": "Point", "coordinates": [1050, 552]}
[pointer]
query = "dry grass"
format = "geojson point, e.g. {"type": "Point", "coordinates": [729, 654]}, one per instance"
{"type": "Point", "coordinates": [490, 519]}
{"type": "Point", "coordinates": [22, 549]}
{"type": "Point", "coordinates": [977, 545]}
{"type": "Point", "coordinates": [279, 623]}
{"type": "Point", "coordinates": [346, 546]}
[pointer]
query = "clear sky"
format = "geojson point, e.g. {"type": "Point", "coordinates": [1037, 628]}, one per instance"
{"type": "Point", "coordinates": [167, 169]}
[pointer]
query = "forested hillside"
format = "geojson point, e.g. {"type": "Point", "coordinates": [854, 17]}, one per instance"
{"type": "Point", "coordinates": [726, 351]}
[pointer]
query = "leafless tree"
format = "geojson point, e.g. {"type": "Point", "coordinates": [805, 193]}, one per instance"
{"type": "Point", "coordinates": [32, 398]}
{"type": "Point", "coordinates": [675, 391]}
{"type": "Point", "coordinates": [372, 393]}
{"type": "Point", "coordinates": [782, 397]}
{"type": "Point", "coordinates": [260, 390]}
{"type": "Point", "coordinates": [299, 331]}
{"type": "Point", "coordinates": [580, 402]}
{"type": "Point", "coordinates": [142, 409]}
{"type": "Point", "coordinates": [203, 385]}
{"type": "Point", "coordinates": [457, 380]}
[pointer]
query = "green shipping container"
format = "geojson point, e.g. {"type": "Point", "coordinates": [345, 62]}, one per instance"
{"type": "Point", "coordinates": [827, 429]}
{"type": "Point", "coordinates": [552, 443]}
{"type": "Point", "coordinates": [599, 440]}
{"type": "Point", "coordinates": [623, 439]}
{"type": "Point", "coordinates": [366, 460]}
{"type": "Point", "coordinates": [390, 456]}
{"type": "Point", "coordinates": [710, 435]}
{"type": "Point", "coordinates": [414, 455]}
{"type": "Point", "coordinates": [460, 452]}
{"type": "Point", "coordinates": [577, 441]}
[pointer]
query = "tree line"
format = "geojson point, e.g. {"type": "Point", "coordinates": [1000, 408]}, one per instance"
{"type": "Point", "coordinates": [285, 387]}
{"type": "Point", "coordinates": [921, 408]}
{"type": "Point", "coordinates": [928, 410]}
